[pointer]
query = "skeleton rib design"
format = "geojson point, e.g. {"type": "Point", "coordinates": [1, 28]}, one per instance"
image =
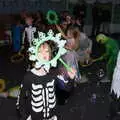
{"type": "Point", "coordinates": [43, 98]}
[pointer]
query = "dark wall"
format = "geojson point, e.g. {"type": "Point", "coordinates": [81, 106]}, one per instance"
{"type": "Point", "coordinates": [15, 6]}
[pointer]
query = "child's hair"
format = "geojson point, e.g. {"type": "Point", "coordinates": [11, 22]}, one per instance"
{"type": "Point", "coordinates": [75, 32]}
{"type": "Point", "coordinates": [29, 19]}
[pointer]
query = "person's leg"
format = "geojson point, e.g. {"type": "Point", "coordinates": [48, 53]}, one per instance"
{"type": "Point", "coordinates": [114, 106]}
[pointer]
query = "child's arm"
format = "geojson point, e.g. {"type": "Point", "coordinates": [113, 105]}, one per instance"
{"type": "Point", "coordinates": [60, 30]}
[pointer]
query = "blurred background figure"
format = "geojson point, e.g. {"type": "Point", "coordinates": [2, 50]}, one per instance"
{"type": "Point", "coordinates": [97, 19]}
{"type": "Point", "coordinates": [79, 11]}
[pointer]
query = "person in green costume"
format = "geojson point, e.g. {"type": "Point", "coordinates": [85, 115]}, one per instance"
{"type": "Point", "coordinates": [111, 53]}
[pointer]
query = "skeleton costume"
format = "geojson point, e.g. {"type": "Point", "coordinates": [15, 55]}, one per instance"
{"type": "Point", "coordinates": [30, 30]}
{"type": "Point", "coordinates": [37, 98]}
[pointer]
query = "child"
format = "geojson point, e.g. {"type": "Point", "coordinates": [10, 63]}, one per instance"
{"type": "Point", "coordinates": [64, 90]}
{"type": "Point", "coordinates": [29, 30]}
{"type": "Point", "coordinates": [17, 30]}
{"type": "Point", "coordinates": [83, 43]}
{"type": "Point", "coordinates": [80, 46]}
{"type": "Point", "coordinates": [37, 100]}
{"type": "Point", "coordinates": [29, 34]}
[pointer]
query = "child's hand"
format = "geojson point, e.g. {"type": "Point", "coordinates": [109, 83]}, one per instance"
{"type": "Point", "coordinates": [88, 51]}
{"type": "Point", "coordinates": [72, 73]}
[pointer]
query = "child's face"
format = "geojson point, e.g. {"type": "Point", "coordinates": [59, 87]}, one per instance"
{"type": "Point", "coordinates": [64, 25]}
{"type": "Point", "coordinates": [29, 21]}
{"type": "Point", "coordinates": [44, 52]}
{"type": "Point", "coordinates": [68, 19]}
{"type": "Point", "coordinates": [69, 34]}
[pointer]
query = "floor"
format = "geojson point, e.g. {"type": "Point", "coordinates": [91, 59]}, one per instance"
{"type": "Point", "coordinates": [80, 106]}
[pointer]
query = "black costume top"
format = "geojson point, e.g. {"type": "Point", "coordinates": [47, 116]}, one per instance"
{"type": "Point", "coordinates": [37, 96]}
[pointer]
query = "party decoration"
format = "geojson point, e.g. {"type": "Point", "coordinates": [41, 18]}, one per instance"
{"type": "Point", "coordinates": [52, 17]}
{"type": "Point", "coordinates": [50, 36]}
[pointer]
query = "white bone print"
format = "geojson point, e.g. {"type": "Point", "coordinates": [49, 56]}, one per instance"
{"type": "Point", "coordinates": [43, 98]}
